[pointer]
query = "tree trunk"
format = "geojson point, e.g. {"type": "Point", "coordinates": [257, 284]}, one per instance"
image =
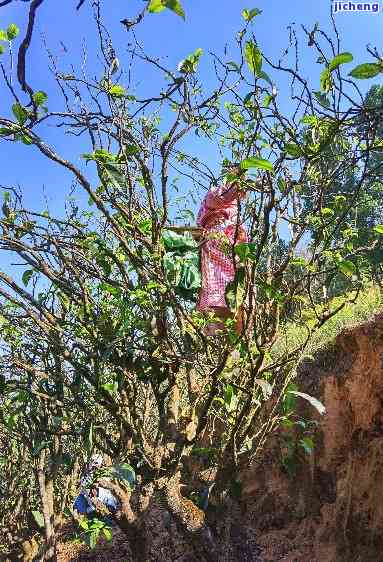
{"type": "Point", "coordinates": [192, 519]}
{"type": "Point", "coordinates": [47, 497]}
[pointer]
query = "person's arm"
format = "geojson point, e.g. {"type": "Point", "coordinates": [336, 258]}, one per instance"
{"type": "Point", "coordinates": [225, 194]}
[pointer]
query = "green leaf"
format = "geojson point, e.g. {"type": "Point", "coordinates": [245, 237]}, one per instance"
{"type": "Point", "coordinates": [107, 533]}
{"type": "Point", "coordinates": [110, 387]}
{"type": "Point", "coordinates": [379, 228]}
{"type": "Point", "coordinates": [27, 276]}
{"type": "Point", "coordinates": [264, 76]}
{"type": "Point", "coordinates": [253, 57]}
{"type": "Point", "coordinates": [156, 6]}
{"type": "Point", "coordinates": [5, 131]}
{"type": "Point", "coordinates": [307, 444]}
{"type": "Point", "coordinates": [230, 398]}
{"type": "Point", "coordinates": [20, 113]}
{"type": "Point", "coordinates": [325, 80]}
{"type": "Point", "coordinates": [176, 7]}
{"type": "Point", "coordinates": [347, 268]}
{"type": "Point", "coordinates": [242, 251]}
{"type": "Point", "coordinates": [207, 452]}
{"type": "Point", "coordinates": [248, 15]}
{"type": "Point", "coordinates": [145, 226]}
{"type": "Point", "coordinates": [12, 32]}
{"type": "Point", "coordinates": [322, 99]}
{"type": "Point", "coordinates": [40, 98]}
{"type": "Point", "coordinates": [190, 63]}
{"type": "Point", "coordinates": [90, 539]}
{"type": "Point", "coordinates": [39, 518]}
{"type": "Point", "coordinates": [267, 99]}
{"type": "Point", "coordinates": [38, 447]}
{"type": "Point", "coordinates": [125, 472]}
{"type": "Point", "coordinates": [342, 58]}
{"type": "Point", "coordinates": [113, 175]}
{"type": "Point", "coordinates": [298, 262]}
{"type": "Point", "coordinates": [26, 139]}
{"type": "Point", "coordinates": [115, 291]}
{"type": "Point", "coordinates": [260, 163]}
{"type": "Point", "coordinates": [3, 35]}
{"type": "Point", "coordinates": [88, 442]}
{"type": "Point", "coordinates": [313, 401]}
{"type": "Point", "coordinates": [131, 149]}
{"type": "Point", "coordinates": [366, 70]}
{"type": "Point", "coordinates": [293, 149]}
{"type": "Point", "coordinates": [235, 290]}
{"type": "Point", "coordinates": [117, 91]}
{"type": "Point", "coordinates": [99, 155]}
{"type": "Point", "coordinates": [266, 387]}
{"type": "Point", "coordinates": [2, 49]}
{"type": "Point", "coordinates": [233, 65]}
{"type": "Point", "coordinates": [236, 488]}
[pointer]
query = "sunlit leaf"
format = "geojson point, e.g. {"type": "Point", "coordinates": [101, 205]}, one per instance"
{"type": "Point", "coordinates": [366, 70]}
{"type": "Point", "coordinates": [347, 268]}
{"type": "Point", "coordinates": [110, 387]}
{"type": "Point", "coordinates": [40, 98]}
{"type": "Point", "coordinates": [107, 533]}
{"type": "Point", "coordinates": [20, 113]}
{"type": "Point", "coordinates": [39, 518]}
{"type": "Point", "coordinates": [117, 91]}
{"type": "Point", "coordinates": [313, 401]}
{"type": "Point", "coordinates": [325, 80]}
{"type": "Point", "coordinates": [253, 57]}
{"type": "Point", "coordinates": [156, 6]}
{"type": "Point", "coordinates": [259, 163]}
{"type": "Point", "coordinates": [176, 7]}
{"type": "Point", "coordinates": [342, 58]}
{"type": "Point", "coordinates": [12, 32]}
{"type": "Point", "coordinates": [248, 15]}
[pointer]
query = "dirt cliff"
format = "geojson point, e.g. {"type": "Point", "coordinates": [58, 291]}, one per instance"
{"type": "Point", "coordinates": [331, 509]}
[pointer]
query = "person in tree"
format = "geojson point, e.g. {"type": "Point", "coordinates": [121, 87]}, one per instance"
{"type": "Point", "coordinates": [220, 230]}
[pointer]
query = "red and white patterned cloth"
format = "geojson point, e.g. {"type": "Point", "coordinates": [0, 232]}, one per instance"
{"type": "Point", "coordinates": [218, 217]}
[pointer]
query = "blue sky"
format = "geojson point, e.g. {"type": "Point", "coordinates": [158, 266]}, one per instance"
{"type": "Point", "coordinates": [209, 25]}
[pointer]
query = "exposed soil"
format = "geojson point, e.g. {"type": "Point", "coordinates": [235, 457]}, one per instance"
{"type": "Point", "coordinates": [331, 509]}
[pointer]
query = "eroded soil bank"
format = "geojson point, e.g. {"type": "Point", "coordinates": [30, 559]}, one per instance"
{"type": "Point", "coordinates": [332, 509]}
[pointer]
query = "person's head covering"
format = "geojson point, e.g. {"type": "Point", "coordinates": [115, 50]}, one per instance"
{"type": "Point", "coordinates": [96, 461]}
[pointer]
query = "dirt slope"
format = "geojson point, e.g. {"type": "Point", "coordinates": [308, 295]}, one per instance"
{"type": "Point", "coordinates": [332, 509]}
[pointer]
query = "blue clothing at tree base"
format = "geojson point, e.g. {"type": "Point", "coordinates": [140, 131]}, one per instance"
{"type": "Point", "coordinates": [84, 505]}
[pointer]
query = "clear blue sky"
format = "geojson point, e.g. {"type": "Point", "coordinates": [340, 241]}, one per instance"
{"type": "Point", "coordinates": [209, 24]}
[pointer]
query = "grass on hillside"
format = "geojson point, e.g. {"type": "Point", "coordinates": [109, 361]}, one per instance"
{"type": "Point", "coordinates": [369, 302]}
